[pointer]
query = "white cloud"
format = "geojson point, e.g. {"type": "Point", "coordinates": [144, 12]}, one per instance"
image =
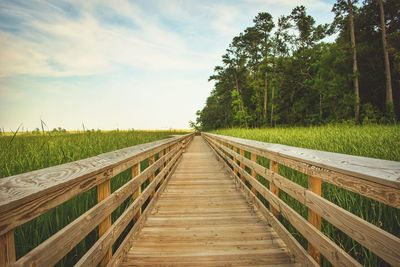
{"type": "Point", "coordinates": [70, 65]}
{"type": "Point", "coordinates": [65, 47]}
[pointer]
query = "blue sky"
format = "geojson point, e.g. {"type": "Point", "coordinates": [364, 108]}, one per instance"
{"type": "Point", "coordinates": [118, 64]}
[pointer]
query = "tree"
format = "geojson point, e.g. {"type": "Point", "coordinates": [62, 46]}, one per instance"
{"type": "Point", "coordinates": [309, 81]}
{"type": "Point", "coordinates": [341, 7]}
{"type": "Point", "coordinates": [264, 25]}
{"type": "Point", "coordinates": [240, 115]}
{"type": "Point", "coordinates": [388, 80]}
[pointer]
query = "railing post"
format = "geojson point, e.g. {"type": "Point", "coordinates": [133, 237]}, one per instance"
{"type": "Point", "coordinates": [241, 152]}
{"type": "Point", "coordinates": [253, 157]}
{"type": "Point", "coordinates": [315, 185]}
{"type": "Point", "coordinates": [183, 146]}
{"type": "Point", "coordinates": [136, 194]}
{"type": "Point", "coordinates": [7, 249]}
{"type": "Point", "coordinates": [103, 191]}
{"type": "Point", "coordinates": [151, 178]}
{"type": "Point", "coordinates": [274, 167]}
{"type": "Point", "coordinates": [162, 154]}
{"type": "Point", "coordinates": [235, 169]}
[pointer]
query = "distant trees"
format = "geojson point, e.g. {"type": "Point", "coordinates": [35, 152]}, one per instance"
{"type": "Point", "coordinates": [59, 130]}
{"type": "Point", "coordinates": [284, 74]}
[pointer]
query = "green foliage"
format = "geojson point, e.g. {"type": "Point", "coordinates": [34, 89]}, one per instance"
{"type": "Point", "coordinates": [309, 82]}
{"type": "Point", "coordinates": [240, 116]}
{"type": "Point", "coordinates": [376, 141]}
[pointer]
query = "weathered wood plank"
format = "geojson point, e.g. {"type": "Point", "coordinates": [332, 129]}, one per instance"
{"type": "Point", "coordinates": [26, 196]}
{"type": "Point", "coordinates": [104, 191]}
{"type": "Point", "coordinates": [315, 185]}
{"type": "Point", "coordinates": [135, 172]}
{"type": "Point", "coordinates": [327, 247]}
{"type": "Point", "coordinates": [300, 254]}
{"type": "Point", "coordinates": [53, 249]}
{"type": "Point", "coordinates": [377, 240]}
{"type": "Point", "coordinates": [253, 157]}
{"type": "Point", "coordinates": [119, 255]}
{"type": "Point", "coordinates": [274, 167]}
{"type": "Point", "coordinates": [206, 225]}
{"type": "Point", "coordinates": [7, 249]}
{"type": "Point", "coordinates": [97, 251]}
{"type": "Point", "coordinates": [375, 170]}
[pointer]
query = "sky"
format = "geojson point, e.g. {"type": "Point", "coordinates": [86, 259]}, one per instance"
{"type": "Point", "coordinates": [140, 64]}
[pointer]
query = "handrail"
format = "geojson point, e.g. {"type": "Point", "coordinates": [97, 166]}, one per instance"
{"type": "Point", "coordinates": [25, 196]}
{"type": "Point", "coordinates": [372, 178]}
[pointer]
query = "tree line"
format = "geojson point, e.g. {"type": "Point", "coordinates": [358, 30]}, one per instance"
{"type": "Point", "coordinates": [284, 73]}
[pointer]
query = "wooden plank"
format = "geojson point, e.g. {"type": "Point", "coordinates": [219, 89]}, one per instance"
{"type": "Point", "coordinates": [205, 226]}
{"type": "Point", "coordinates": [383, 244]}
{"type": "Point", "coordinates": [274, 167]}
{"type": "Point", "coordinates": [54, 248]}
{"type": "Point", "coordinates": [377, 240]}
{"type": "Point", "coordinates": [26, 196]}
{"type": "Point", "coordinates": [387, 194]}
{"type": "Point", "coordinates": [96, 252]}
{"type": "Point", "coordinates": [135, 172]}
{"type": "Point", "coordinates": [241, 164]}
{"type": "Point", "coordinates": [7, 249]}
{"type": "Point", "coordinates": [253, 158]}
{"type": "Point", "coordinates": [315, 185]}
{"type": "Point", "coordinates": [390, 196]}
{"type": "Point", "coordinates": [382, 193]}
{"type": "Point", "coordinates": [376, 170]}
{"type": "Point", "coordinates": [104, 191]}
{"type": "Point", "coordinates": [327, 247]}
{"type": "Point", "coordinates": [301, 255]}
{"type": "Point", "coordinates": [151, 178]}
{"type": "Point", "coordinates": [127, 243]}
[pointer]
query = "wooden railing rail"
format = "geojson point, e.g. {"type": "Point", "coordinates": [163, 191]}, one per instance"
{"type": "Point", "coordinates": [24, 197]}
{"type": "Point", "coordinates": [373, 178]}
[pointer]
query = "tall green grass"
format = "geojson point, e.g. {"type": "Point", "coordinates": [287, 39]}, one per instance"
{"type": "Point", "coordinates": [376, 141]}
{"type": "Point", "coordinates": [27, 152]}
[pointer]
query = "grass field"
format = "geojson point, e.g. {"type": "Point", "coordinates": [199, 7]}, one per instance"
{"type": "Point", "coordinates": [374, 141]}
{"type": "Point", "coordinates": [26, 152]}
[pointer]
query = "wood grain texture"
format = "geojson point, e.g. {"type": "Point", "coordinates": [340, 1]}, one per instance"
{"type": "Point", "coordinates": [54, 248]}
{"type": "Point", "coordinates": [376, 170]}
{"type": "Point", "coordinates": [384, 244]}
{"type": "Point", "coordinates": [123, 249]}
{"type": "Point", "coordinates": [241, 164]}
{"type": "Point", "coordinates": [7, 249]}
{"type": "Point", "coordinates": [26, 196]}
{"type": "Point", "coordinates": [135, 172]}
{"type": "Point", "coordinates": [327, 247]}
{"type": "Point", "coordinates": [253, 157]}
{"type": "Point", "coordinates": [229, 232]}
{"type": "Point", "coordinates": [274, 167]}
{"type": "Point", "coordinates": [104, 191]}
{"type": "Point", "coordinates": [315, 185]}
{"type": "Point", "coordinates": [383, 193]}
{"type": "Point", "coordinates": [98, 250]}
{"type": "Point", "coordinates": [300, 254]}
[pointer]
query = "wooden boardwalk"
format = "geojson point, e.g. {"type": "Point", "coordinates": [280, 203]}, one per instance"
{"type": "Point", "coordinates": [201, 219]}
{"type": "Point", "coordinates": [198, 203]}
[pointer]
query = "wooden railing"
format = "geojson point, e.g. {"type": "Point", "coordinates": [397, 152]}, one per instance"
{"type": "Point", "coordinates": [26, 196]}
{"type": "Point", "coordinates": [372, 178]}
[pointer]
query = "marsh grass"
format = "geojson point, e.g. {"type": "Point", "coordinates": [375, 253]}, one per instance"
{"type": "Point", "coordinates": [376, 141]}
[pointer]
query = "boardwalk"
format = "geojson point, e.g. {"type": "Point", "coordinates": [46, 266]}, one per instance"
{"type": "Point", "coordinates": [202, 219]}
{"type": "Point", "coordinates": [188, 208]}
